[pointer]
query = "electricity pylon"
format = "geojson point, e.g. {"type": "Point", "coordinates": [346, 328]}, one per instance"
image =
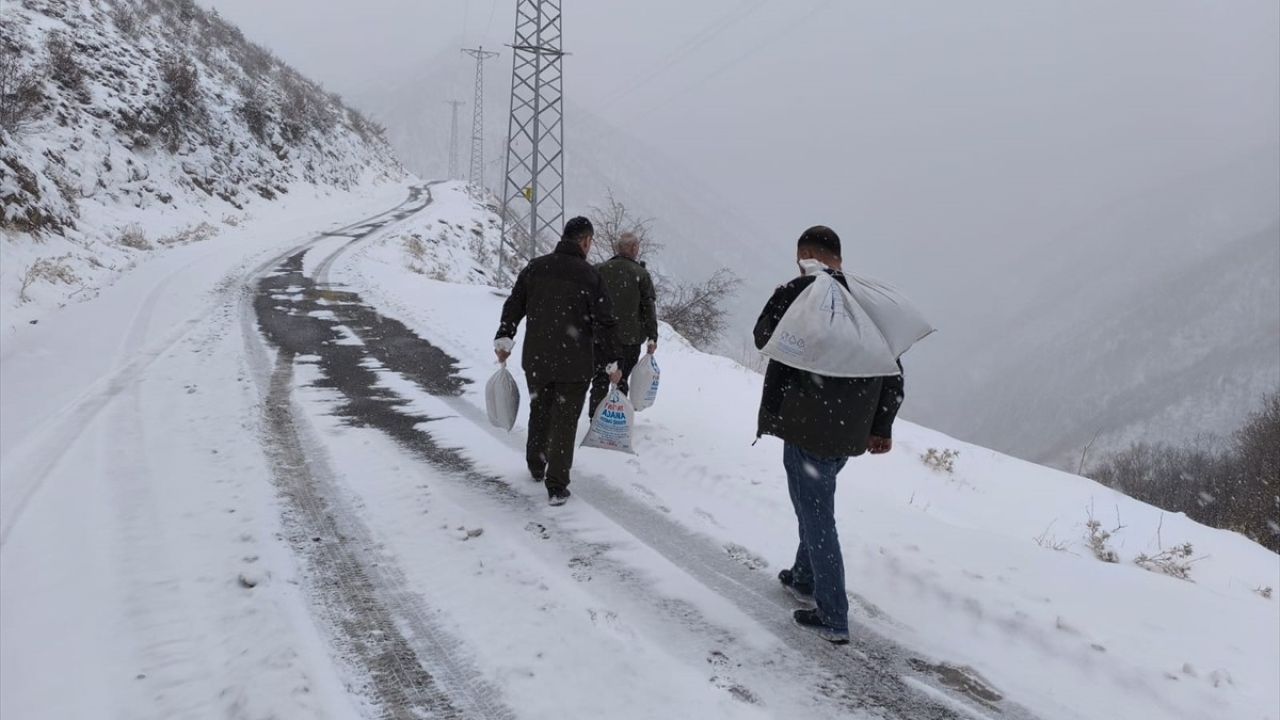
{"type": "Point", "coordinates": [533, 190]}
{"type": "Point", "coordinates": [477, 116]}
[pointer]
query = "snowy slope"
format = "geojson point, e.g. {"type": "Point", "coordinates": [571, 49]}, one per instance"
{"type": "Point", "coordinates": [1188, 354]}
{"type": "Point", "coordinates": [110, 174]}
{"type": "Point", "coordinates": [202, 518]}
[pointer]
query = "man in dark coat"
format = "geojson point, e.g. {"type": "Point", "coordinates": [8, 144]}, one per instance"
{"type": "Point", "coordinates": [823, 421]}
{"type": "Point", "coordinates": [630, 289]}
{"type": "Point", "coordinates": [570, 319]}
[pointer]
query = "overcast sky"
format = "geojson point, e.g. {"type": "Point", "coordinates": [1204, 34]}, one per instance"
{"type": "Point", "coordinates": [938, 137]}
{"type": "Point", "coordinates": [1008, 115]}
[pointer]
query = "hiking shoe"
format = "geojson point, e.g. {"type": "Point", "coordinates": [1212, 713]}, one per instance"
{"type": "Point", "coordinates": [537, 474]}
{"type": "Point", "coordinates": [558, 496]}
{"type": "Point", "coordinates": [801, 592]}
{"type": "Point", "coordinates": [809, 620]}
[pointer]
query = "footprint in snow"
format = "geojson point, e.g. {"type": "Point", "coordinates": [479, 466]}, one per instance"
{"type": "Point", "coordinates": [742, 555]}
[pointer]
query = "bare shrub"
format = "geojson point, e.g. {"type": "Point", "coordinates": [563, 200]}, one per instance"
{"type": "Point", "coordinates": [1263, 592]}
{"type": "Point", "coordinates": [191, 234]}
{"type": "Point", "coordinates": [480, 250]}
{"type": "Point", "coordinates": [1174, 562]}
{"type": "Point", "coordinates": [50, 270]}
{"type": "Point", "coordinates": [415, 248]}
{"type": "Point", "coordinates": [181, 105]}
{"type": "Point", "coordinates": [1050, 542]}
{"type": "Point", "coordinates": [697, 310]}
{"type": "Point", "coordinates": [943, 461]}
{"type": "Point", "coordinates": [126, 17]}
{"type": "Point", "coordinates": [21, 97]}
{"type": "Point", "coordinates": [1099, 539]}
{"type": "Point", "coordinates": [612, 221]}
{"type": "Point", "coordinates": [134, 237]}
{"type": "Point", "coordinates": [253, 109]}
{"type": "Point", "coordinates": [367, 129]}
{"type": "Point", "coordinates": [64, 67]}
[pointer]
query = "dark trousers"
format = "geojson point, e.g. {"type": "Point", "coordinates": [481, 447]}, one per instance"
{"type": "Point", "coordinates": [600, 383]}
{"type": "Point", "coordinates": [812, 483]}
{"type": "Point", "coordinates": [553, 426]}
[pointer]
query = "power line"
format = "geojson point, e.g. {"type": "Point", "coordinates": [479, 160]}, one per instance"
{"type": "Point", "coordinates": [752, 49]}
{"type": "Point", "coordinates": [698, 40]}
{"type": "Point", "coordinates": [493, 8]}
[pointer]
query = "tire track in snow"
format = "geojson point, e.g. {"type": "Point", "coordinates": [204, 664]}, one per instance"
{"type": "Point", "coordinates": [29, 465]}
{"type": "Point", "coordinates": [380, 629]}
{"type": "Point", "coordinates": [172, 670]}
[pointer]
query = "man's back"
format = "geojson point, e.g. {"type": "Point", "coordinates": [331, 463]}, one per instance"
{"type": "Point", "coordinates": [563, 298]}
{"type": "Point", "coordinates": [631, 293]}
{"type": "Point", "coordinates": [827, 416]}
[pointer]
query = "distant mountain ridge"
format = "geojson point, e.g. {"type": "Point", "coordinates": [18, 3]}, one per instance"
{"type": "Point", "coordinates": [1188, 354]}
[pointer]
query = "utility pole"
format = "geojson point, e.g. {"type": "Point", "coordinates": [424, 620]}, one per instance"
{"type": "Point", "coordinates": [533, 190]}
{"type": "Point", "coordinates": [477, 116]}
{"type": "Point", "coordinates": [453, 139]}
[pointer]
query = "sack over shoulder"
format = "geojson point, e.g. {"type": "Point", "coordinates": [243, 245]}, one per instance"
{"type": "Point", "coordinates": [834, 332]}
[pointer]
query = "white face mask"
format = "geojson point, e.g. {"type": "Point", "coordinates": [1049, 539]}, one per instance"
{"type": "Point", "coordinates": [810, 266]}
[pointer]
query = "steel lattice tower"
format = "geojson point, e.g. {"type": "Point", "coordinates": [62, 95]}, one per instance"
{"type": "Point", "coordinates": [477, 116]}
{"type": "Point", "coordinates": [533, 191]}
{"type": "Point", "coordinates": [453, 139]}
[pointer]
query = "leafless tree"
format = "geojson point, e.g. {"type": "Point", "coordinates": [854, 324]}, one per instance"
{"type": "Point", "coordinates": [612, 220]}
{"type": "Point", "coordinates": [21, 98]}
{"type": "Point", "coordinates": [698, 310]}
{"type": "Point", "coordinates": [1231, 483]}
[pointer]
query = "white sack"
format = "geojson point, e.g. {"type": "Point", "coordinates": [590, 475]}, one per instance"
{"type": "Point", "coordinates": [860, 332]}
{"type": "Point", "coordinates": [502, 399]}
{"type": "Point", "coordinates": [644, 383]}
{"type": "Point", "coordinates": [611, 426]}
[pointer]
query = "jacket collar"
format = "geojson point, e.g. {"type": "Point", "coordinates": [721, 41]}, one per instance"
{"type": "Point", "coordinates": [569, 247]}
{"type": "Point", "coordinates": [632, 260]}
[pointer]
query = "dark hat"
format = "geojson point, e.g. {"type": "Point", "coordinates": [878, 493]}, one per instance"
{"type": "Point", "coordinates": [578, 229]}
{"type": "Point", "coordinates": [821, 237]}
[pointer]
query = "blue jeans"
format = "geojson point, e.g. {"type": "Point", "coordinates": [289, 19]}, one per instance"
{"type": "Point", "coordinates": [812, 483]}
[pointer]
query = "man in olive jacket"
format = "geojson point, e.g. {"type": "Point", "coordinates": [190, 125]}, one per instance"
{"type": "Point", "coordinates": [823, 421]}
{"type": "Point", "coordinates": [569, 320]}
{"type": "Point", "coordinates": [634, 301]}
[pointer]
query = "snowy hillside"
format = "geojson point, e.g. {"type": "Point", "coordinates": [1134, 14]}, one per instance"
{"type": "Point", "coordinates": [145, 124]}
{"type": "Point", "coordinates": [1189, 354]}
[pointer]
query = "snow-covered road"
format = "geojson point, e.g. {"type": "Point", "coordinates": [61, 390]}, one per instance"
{"type": "Point", "coordinates": [359, 356]}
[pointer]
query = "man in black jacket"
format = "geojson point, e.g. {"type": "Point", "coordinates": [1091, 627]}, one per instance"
{"type": "Point", "coordinates": [823, 421]}
{"type": "Point", "coordinates": [568, 310]}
